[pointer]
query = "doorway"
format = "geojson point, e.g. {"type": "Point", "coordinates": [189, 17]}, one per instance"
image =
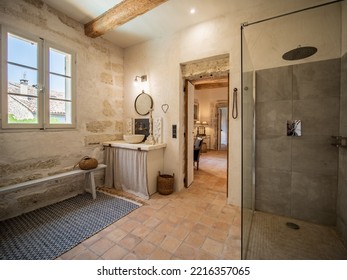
{"type": "Point", "coordinates": [204, 93]}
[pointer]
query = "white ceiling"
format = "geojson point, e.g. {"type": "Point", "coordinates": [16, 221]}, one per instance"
{"type": "Point", "coordinates": [167, 18]}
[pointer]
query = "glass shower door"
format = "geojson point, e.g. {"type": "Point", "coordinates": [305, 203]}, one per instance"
{"type": "Point", "coordinates": [248, 144]}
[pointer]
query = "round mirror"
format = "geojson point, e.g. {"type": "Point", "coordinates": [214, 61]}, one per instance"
{"type": "Point", "coordinates": [143, 103]}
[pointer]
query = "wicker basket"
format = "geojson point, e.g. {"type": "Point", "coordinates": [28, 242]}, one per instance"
{"type": "Point", "coordinates": [87, 163]}
{"type": "Point", "coordinates": [165, 183]}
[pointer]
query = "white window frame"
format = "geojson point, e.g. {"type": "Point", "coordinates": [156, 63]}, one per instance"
{"type": "Point", "coordinates": [43, 95]}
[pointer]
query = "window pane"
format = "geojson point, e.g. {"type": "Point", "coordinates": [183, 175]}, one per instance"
{"type": "Point", "coordinates": [22, 109]}
{"type": "Point", "coordinates": [60, 112]}
{"type": "Point", "coordinates": [60, 87]}
{"type": "Point", "coordinates": [22, 80]}
{"type": "Point", "coordinates": [22, 51]}
{"type": "Point", "coordinates": [59, 62]}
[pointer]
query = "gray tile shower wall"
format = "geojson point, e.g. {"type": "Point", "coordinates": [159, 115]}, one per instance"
{"type": "Point", "coordinates": [342, 177]}
{"type": "Point", "coordinates": [297, 176]}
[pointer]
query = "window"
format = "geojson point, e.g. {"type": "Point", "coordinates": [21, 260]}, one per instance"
{"type": "Point", "coordinates": [37, 83]}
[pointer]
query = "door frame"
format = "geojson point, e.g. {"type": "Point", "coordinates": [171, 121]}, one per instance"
{"type": "Point", "coordinates": [188, 142]}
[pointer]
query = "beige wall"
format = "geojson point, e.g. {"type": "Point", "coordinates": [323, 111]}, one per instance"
{"type": "Point", "coordinates": [320, 27]}
{"type": "Point", "coordinates": [33, 154]}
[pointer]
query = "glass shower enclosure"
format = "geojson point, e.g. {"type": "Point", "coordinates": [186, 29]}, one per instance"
{"type": "Point", "coordinates": [294, 119]}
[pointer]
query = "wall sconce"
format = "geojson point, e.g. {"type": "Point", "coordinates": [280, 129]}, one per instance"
{"type": "Point", "coordinates": [141, 83]}
{"type": "Point", "coordinates": [141, 79]}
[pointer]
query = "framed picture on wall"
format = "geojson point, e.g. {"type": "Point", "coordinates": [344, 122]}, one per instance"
{"type": "Point", "coordinates": [196, 111]}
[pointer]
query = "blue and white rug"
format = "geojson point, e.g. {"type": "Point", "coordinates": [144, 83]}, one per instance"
{"type": "Point", "coordinates": [48, 232]}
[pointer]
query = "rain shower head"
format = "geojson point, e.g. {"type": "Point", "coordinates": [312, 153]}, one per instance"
{"type": "Point", "coordinates": [299, 53]}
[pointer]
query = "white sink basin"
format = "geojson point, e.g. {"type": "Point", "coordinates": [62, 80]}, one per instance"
{"type": "Point", "coordinates": [133, 138]}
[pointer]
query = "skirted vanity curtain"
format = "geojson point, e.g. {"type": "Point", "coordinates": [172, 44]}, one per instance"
{"type": "Point", "coordinates": [127, 170]}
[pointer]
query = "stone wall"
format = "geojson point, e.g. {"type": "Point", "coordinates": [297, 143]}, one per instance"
{"type": "Point", "coordinates": [33, 154]}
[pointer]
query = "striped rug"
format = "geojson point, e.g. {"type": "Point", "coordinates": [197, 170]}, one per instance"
{"type": "Point", "coordinates": [48, 232]}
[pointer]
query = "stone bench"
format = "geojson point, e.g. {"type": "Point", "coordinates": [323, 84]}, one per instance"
{"type": "Point", "coordinates": [89, 181]}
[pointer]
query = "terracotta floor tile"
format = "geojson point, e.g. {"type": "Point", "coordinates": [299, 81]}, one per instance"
{"type": "Point", "coordinates": [130, 241]}
{"type": "Point", "coordinates": [186, 252]}
{"type": "Point", "coordinates": [141, 231]}
{"type": "Point", "coordinates": [156, 237]}
{"type": "Point", "coordinates": [165, 227]}
{"type": "Point", "coordinates": [73, 252]}
{"type": "Point", "coordinates": [101, 246]}
{"type": "Point", "coordinates": [201, 229]}
{"type": "Point", "coordinates": [86, 255]}
{"type": "Point", "coordinates": [213, 247]}
{"type": "Point", "coordinates": [195, 239]}
{"type": "Point", "coordinates": [170, 244]}
{"type": "Point", "coordinates": [130, 256]}
{"type": "Point", "coordinates": [218, 235]}
{"type": "Point", "coordinates": [152, 222]}
{"type": "Point", "coordinates": [160, 254]}
{"type": "Point", "coordinates": [207, 221]}
{"type": "Point", "coordinates": [203, 255]}
{"type": "Point", "coordinates": [180, 233]}
{"type": "Point", "coordinates": [130, 225]}
{"type": "Point", "coordinates": [220, 226]}
{"type": "Point", "coordinates": [144, 249]}
{"type": "Point", "coordinates": [115, 253]}
{"type": "Point", "coordinates": [116, 235]}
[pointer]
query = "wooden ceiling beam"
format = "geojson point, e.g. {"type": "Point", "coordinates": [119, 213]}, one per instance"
{"type": "Point", "coordinates": [118, 15]}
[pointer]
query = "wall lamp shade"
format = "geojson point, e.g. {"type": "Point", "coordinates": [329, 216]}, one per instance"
{"type": "Point", "coordinates": [141, 79]}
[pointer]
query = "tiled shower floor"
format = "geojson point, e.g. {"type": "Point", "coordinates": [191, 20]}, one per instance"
{"type": "Point", "coordinates": [271, 239]}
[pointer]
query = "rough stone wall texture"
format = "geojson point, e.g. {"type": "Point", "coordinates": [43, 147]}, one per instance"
{"type": "Point", "coordinates": [27, 155]}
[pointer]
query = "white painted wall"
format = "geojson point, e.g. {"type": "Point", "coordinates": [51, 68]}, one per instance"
{"type": "Point", "coordinates": [320, 27]}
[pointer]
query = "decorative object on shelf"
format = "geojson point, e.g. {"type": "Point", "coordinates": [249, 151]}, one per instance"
{"type": "Point", "coordinates": [150, 139]}
{"type": "Point", "coordinates": [129, 126]}
{"type": "Point", "coordinates": [157, 130]}
{"type": "Point", "coordinates": [142, 127]}
{"type": "Point", "coordinates": [87, 163]}
{"type": "Point", "coordinates": [143, 104]}
{"type": "Point", "coordinates": [165, 107]}
{"type": "Point", "coordinates": [165, 183]}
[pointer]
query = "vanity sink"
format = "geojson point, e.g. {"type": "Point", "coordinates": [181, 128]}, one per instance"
{"type": "Point", "coordinates": [133, 138]}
